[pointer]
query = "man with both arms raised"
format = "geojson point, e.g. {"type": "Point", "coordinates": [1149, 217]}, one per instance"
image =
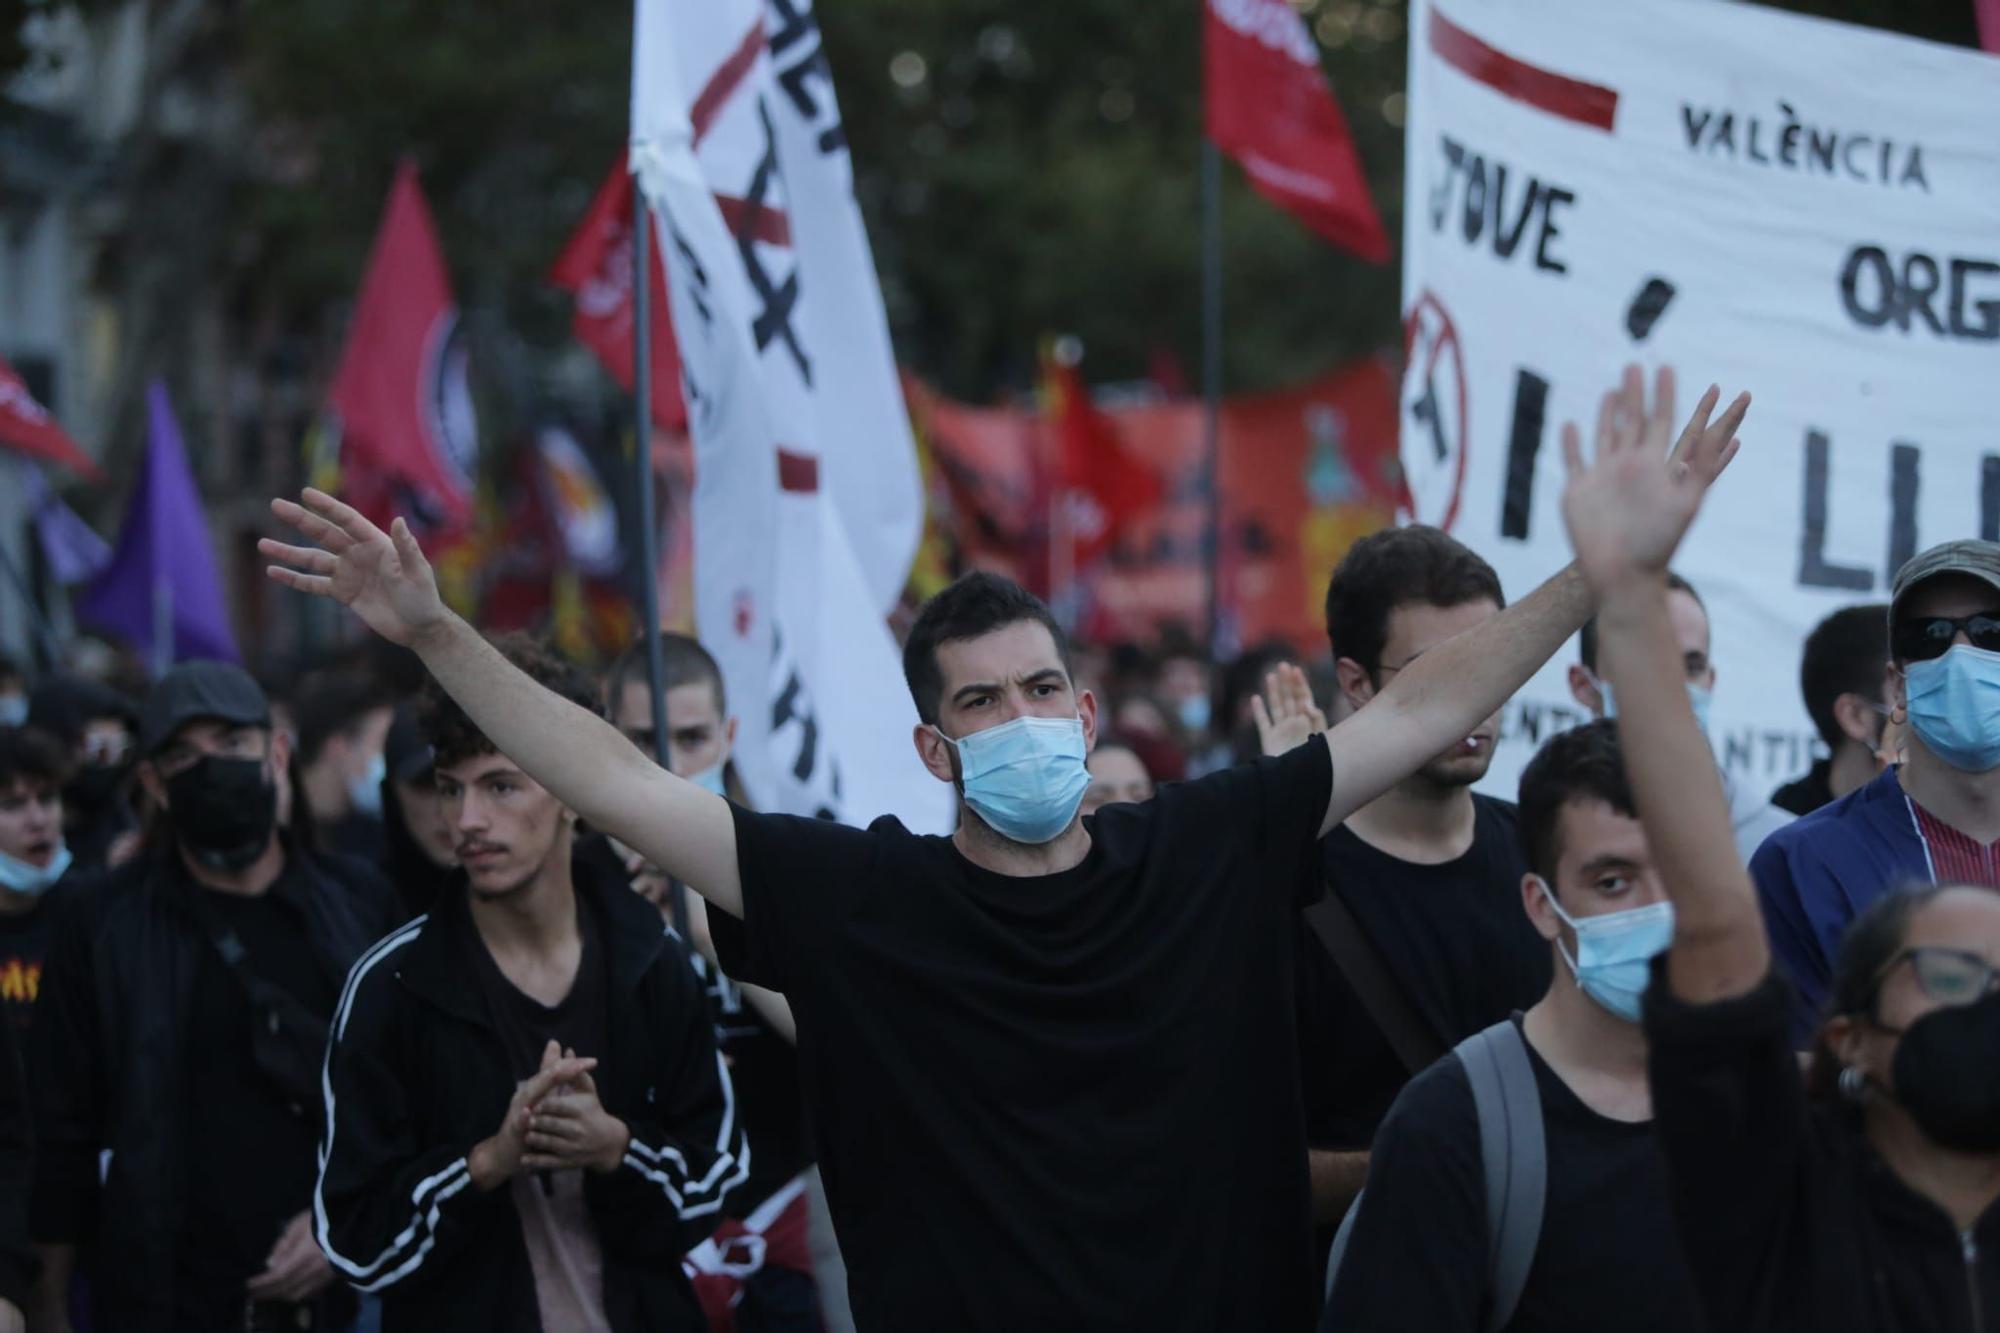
{"type": "Point", "coordinates": [1049, 1061]}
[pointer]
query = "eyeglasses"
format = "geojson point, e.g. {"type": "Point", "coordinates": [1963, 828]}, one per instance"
{"type": "Point", "coordinates": [1922, 640]}
{"type": "Point", "coordinates": [1952, 977]}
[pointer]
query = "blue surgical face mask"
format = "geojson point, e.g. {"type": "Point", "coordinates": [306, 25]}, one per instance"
{"type": "Point", "coordinates": [13, 710]}
{"type": "Point", "coordinates": [365, 792]}
{"type": "Point", "coordinates": [1955, 707]}
{"type": "Point", "coordinates": [1025, 778]}
{"type": "Point", "coordinates": [1701, 700]}
{"type": "Point", "coordinates": [33, 881]}
{"type": "Point", "coordinates": [1194, 713]}
{"type": "Point", "coordinates": [710, 778]}
{"type": "Point", "coordinates": [1615, 952]}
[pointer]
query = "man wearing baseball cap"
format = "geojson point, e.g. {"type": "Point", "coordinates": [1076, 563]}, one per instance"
{"type": "Point", "coordinates": [180, 1030]}
{"type": "Point", "coordinates": [1932, 819]}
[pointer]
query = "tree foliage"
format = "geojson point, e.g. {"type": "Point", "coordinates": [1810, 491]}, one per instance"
{"type": "Point", "coordinates": [1027, 167]}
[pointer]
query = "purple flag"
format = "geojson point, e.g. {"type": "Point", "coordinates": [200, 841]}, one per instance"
{"type": "Point", "coordinates": [164, 567]}
{"type": "Point", "coordinates": [73, 550]}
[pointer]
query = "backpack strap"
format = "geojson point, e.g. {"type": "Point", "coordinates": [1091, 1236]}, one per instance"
{"type": "Point", "coordinates": [1339, 1250]}
{"type": "Point", "coordinates": [1514, 1149]}
{"type": "Point", "coordinates": [1388, 1006]}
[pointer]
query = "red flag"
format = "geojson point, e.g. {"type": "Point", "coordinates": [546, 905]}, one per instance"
{"type": "Point", "coordinates": [1104, 485]}
{"type": "Point", "coordinates": [400, 397]}
{"type": "Point", "coordinates": [1270, 108]}
{"type": "Point", "coordinates": [596, 268]}
{"type": "Point", "coordinates": [26, 425]}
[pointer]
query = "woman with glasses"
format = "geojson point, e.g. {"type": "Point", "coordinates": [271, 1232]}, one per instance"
{"type": "Point", "coordinates": [1868, 1203]}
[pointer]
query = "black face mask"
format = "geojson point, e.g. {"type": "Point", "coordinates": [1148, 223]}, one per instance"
{"type": "Point", "coordinates": [1947, 1072]}
{"type": "Point", "coordinates": [94, 785]}
{"type": "Point", "coordinates": [223, 810]}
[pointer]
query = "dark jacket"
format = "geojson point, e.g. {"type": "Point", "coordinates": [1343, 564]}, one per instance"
{"type": "Point", "coordinates": [418, 1074]}
{"type": "Point", "coordinates": [1817, 874]}
{"type": "Point", "coordinates": [108, 1049]}
{"type": "Point", "coordinates": [17, 1260]}
{"type": "Point", "coordinates": [1791, 1221]}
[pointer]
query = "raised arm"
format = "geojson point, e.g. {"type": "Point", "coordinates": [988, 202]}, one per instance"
{"type": "Point", "coordinates": [1625, 518]}
{"type": "Point", "coordinates": [384, 579]}
{"type": "Point", "coordinates": [1442, 696]}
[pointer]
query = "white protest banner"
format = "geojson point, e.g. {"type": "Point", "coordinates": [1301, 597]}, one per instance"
{"type": "Point", "coordinates": [1799, 208]}
{"type": "Point", "coordinates": [868, 455]}
{"type": "Point", "coordinates": [781, 600]}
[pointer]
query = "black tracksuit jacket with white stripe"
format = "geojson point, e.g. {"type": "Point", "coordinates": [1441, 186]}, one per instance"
{"type": "Point", "coordinates": [417, 1074]}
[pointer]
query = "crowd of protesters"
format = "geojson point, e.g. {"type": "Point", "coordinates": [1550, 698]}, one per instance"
{"type": "Point", "coordinates": [1231, 1004]}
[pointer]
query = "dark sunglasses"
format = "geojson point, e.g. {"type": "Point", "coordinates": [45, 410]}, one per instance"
{"type": "Point", "coordinates": [1922, 640]}
{"type": "Point", "coordinates": [1952, 977]}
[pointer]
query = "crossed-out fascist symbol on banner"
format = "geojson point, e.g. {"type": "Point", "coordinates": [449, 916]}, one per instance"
{"type": "Point", "coordinates": [1435, 397]}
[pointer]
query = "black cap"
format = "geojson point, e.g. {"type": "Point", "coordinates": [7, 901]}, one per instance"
{"type": "Point", "coordinates": [64, 705]}
{"type": "Point", "coordinates": [194, 691]}
{"type": "Point", "coordinates": [406, 753]}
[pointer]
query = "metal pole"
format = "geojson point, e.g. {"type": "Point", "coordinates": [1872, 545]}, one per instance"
{"type": "Point", "coordinates": [1062, 561]}
{"type": "Point", "coordinates": [1211, 379]}
{"type": "Point", "coordinates": [649, 538]}
{"type": "Point", "coordinates": [163, 626]}
{"type": "Point", "coordinates": [51, 650]}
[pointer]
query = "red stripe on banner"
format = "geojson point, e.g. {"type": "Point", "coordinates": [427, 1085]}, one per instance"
{"type": "Point", "coordinates": [798, 473]}
{"type": "Point", "coordinates": [1558, 94]}
{"type": "Point", "coordinates": [768, 225]}
{"type": "Point", "coordinates": [725, 81]}
{"type": "Point", "coordinates": [1988, 14]}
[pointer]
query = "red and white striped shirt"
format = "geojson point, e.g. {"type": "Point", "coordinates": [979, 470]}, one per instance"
{"type": "Point", "coordinates": [1954, 857]}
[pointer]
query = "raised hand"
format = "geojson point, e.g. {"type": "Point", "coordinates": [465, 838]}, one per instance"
{"type": "Point", "coordinates": [1285, 713]}
{"type": "Point", "coordinates": [381, 577]}
{"type": "Point", "coordinates": [1628, 508]}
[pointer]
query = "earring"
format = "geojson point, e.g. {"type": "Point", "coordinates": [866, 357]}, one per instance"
{"type": "Point", "coordinates": [1853, 1083]}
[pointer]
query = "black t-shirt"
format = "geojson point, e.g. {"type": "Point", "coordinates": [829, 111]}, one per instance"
{"type": "Point", "coordinates": [1803, 795]}
{"type": "Point", "coordinates": [579, 1022]}
{"type": "Point", "coordinates": [1060, 1102]}
{"type": "Point", "coordinates": [24, 944]}
{"type": "Point", "coordinates": [764, 1069]}
{"type": "Point", "coordinates": [1608, 1256]}
{"type": "Point", "coordinates": [250, 1149]}
{"type": "Point", "coordinates": [1454, 935]}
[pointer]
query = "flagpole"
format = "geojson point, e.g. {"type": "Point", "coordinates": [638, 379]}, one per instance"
{"type": "Point", "coordinates": [44, 632]}
{"type": "Point", "coordinates": [649, 537]}
{"type": "Point", "coordinates": [1062, 560]}
{"type": "Point", "coordinates": [163, 626]}
{"type": "Point", "coordinates": [1211, 379]}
